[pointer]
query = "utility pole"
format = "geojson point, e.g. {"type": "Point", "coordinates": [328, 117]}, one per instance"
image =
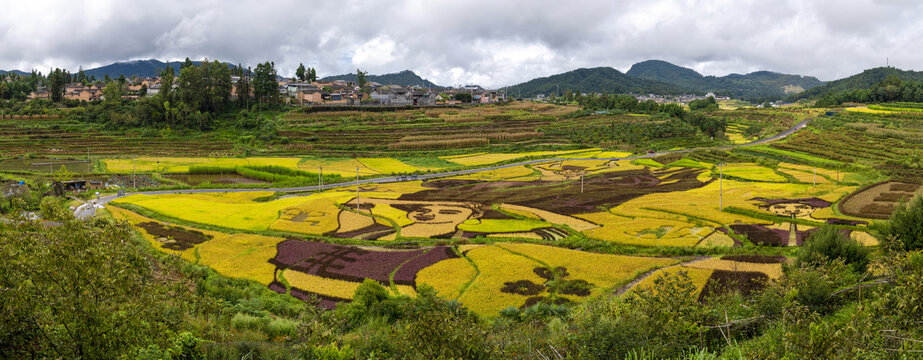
{"type": "Point", "coordinates": [815, 176]}
{"type": "Point", "coordinates": [720, 187]}
{"type": "Point", "coordinates": [134, 174]}
{"type": "Point", "coordinates": [357, 189]}
{"type": "Point", "coordinates": [581, 184]}
{"type": "Point", "coordinates": [320, 177]}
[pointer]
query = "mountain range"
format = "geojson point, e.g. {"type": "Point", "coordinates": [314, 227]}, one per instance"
{"type": "Point", "coordinates": [403, 78]}
{"type": "Point", "coordinates": [661, 77]}
{"type": "Point", "coordinates": [593, 80]}
{"type": "Point", "coordinates": [18, 72]}
{"type": "Point", "coordinates": [759, 84]}
{"type": "Point", "coordinates": [139, 68]}
{"type": "Point", "coordinates": [646, 77]}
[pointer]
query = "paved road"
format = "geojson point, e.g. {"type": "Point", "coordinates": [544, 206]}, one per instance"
{"type": "Point", "coordinates": [392, 179]}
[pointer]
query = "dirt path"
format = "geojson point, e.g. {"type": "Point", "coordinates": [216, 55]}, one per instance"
{"type": "Point", "coordinates": [621, 290]}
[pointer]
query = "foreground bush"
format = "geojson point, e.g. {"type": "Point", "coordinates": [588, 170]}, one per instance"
{"type": "Point", "coordinates": [80, 290]}
{"type": "Point", "coordinates": [829, 243]}
{"type": "Point", "coordinates": [904, 230]}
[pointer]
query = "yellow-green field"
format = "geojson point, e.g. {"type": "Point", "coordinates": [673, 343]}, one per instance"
{"type": "Point", "coordinates": [181, 165]}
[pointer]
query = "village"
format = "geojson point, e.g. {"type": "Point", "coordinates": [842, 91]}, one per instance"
{"type": "Point", "coordinates": [302, 93]}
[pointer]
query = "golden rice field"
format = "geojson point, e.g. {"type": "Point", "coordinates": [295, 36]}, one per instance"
{"type": "Point", "coordinates": [682, 219]}
{"type": "Point", "coordinates": [752, 172]}
{"type": "Point", "coordinates": [865, 109]}
{"type": "Point", "coordinates": [181, 165]}
{"type": "Point", "coordinates": [638, 203]}
{"type": "Point", "coordinates": [698, 277]}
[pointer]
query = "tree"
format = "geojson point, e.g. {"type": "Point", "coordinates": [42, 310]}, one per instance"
{"type": "Point", "coordinates": [313, 75]}
{"type": "Point", "coordinates": [243, 87]}
{"type": "Point", "coordinates": [113, 92]}
{"type": "Point", "coordinates": [360, 79]}
{"type": "Point", "coordinates": [463, 97]}
{"type": "Point", "coordinates": [79, 289]}
{"type": "Point", "coordinates": [300, 72]}
{"type": "Point", "coordinates": [221, 86]}
{"type": "Point", "coordinates": [264, 83]}
{"type": "Point", "coordinates": [56, 81]}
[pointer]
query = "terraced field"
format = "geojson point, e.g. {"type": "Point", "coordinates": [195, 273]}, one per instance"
{"type": "Point", "coordinates": [507, 237]}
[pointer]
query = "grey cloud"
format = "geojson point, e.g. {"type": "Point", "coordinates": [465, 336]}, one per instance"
{"type": "Point", "coordinates": [451, 42]}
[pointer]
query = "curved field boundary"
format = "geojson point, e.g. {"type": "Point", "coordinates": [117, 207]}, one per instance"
{"type": "Point", "coordinates": [391, 283]}
{"type": "Point", "coordinates": [839, 204]}
{"type": "Point", "coordinates": [391, 179]}
{"type": "Point", "coordinates": [511, 251]}
{"type": "Point", "coordinates": [624, 288]}
{"type": "Point", "coordinates": [477, 272]}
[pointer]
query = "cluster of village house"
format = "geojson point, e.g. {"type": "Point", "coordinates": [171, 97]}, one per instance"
{"type": "Point", "coordinates": [336, 92]}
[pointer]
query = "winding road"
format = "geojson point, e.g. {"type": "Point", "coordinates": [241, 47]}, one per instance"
{"type": "Point", "coordinates": [393, 179]}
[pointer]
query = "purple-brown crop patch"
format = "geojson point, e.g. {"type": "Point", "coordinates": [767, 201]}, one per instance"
{"type": "Point", "coordinates": [350, 263]}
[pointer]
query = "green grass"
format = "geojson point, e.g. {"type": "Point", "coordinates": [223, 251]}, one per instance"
{"type": "Point", "coordinates": [502, 225]}
{"type": "Point", "coordinates": [647, 162]}
{"type": "Point", "coordinates": [795, 157]}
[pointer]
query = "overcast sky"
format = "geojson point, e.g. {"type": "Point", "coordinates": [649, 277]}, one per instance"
{"type": "Point", "coordinates": [491, 43]}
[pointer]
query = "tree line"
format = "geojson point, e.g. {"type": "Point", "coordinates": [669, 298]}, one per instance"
{"type": "Point", "coordinates": [696, 116]}
{"type": "Point", "coordinates": [891, 89]}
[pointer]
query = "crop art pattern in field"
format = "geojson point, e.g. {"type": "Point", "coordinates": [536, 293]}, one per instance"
{"type": "Point", "coordinates": [520, 275]}
{"type": "Point", "coordinates": [349, 266]}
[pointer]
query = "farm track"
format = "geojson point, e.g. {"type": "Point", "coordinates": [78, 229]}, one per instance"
{"type": "Point", "coordinates": [624, 288]}
{"type": "Point", "coordinates": [393, 179]}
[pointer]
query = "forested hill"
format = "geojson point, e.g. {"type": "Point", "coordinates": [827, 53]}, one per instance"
{"type": "Point", "coordinates": [17, 72]}
{"type": "Point", "coordinates": [600, 79]}
{"type": "Point", "coordinates": [403, 78]}
{"type": "Point", "coordinates": [140, 68]}
{"type": "Point", "coordinates": [752, 86]}
{"type": "Point", "coordinates": [863, 80]}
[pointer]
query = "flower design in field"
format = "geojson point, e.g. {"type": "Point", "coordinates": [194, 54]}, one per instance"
{"type": "Point", "coordinates": [174, 237]}
{"type": "Point", "coordinates": [552, 290]}
{"type": "Point", "coordinates": [786, 234]}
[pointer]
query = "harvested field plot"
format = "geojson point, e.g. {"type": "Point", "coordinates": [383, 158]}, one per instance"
{"type": "Point", "coordinates": [879, 200]}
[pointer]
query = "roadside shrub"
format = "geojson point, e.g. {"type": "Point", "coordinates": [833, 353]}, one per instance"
{"type": "Point", "coordinates": [904, 230]}
{"type": "Point", "coordinates": [332, 352]}
{"type": "Point", "coordinates": [279, 327]}
{"type": "Point", "coordinates": [242, 321]}
{"type": "Point", "coordinates": [814, 286]}
{"type": "Point", "coordinates": [829, 243]}
{"type": "Point", "coordinates": [663, 320]}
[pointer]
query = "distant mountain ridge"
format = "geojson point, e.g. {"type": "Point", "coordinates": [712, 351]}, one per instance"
{"type": "Point", "coordinates": [139, 68]}
{"type": "Point", "coordinates": [592, 80]}
{"type": "Point", "coordinates": [863, 80]}
{"type": "Point", "coordinates": [403, 78]}
{"type": "Point", "coordinates": [755, 85]}
{"type": "Point", "coordinates": [18, 72]}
